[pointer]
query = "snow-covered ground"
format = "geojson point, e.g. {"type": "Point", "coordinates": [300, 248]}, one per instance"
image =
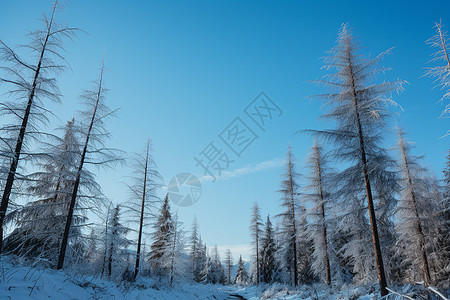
{"type": "Point", "coordinates": [20, 282]}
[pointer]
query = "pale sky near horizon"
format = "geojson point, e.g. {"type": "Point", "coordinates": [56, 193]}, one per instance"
{"type": "Point", "coordinates": [182, 72]}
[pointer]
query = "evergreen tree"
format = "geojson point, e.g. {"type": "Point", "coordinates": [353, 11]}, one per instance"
{"type": "Point", "coordinates": [241, 273]}
{"type": "Point", "coordinates": [268, 263]}
{"type": "Point", "coordinates": [358, 105]}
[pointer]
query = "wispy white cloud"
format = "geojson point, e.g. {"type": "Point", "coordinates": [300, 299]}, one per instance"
{"type": "Point", "coordinates": [258, 167]}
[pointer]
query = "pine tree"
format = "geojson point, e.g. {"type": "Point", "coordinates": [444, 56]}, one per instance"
{"type": "Point", "coordinates": [268, 249]}
{"type": "Point", "coordinates": [255, 230]}
{"type": "Point", "coordinates": [159, 256]}
{"type": "Point", "coordinates": [241, 273]}
{"type": "Point", "coordinates": [358, 105]}
{"type": "Point", "coordinates": [289, 234]}
{"type": "Point", "coordinates": [318, 193]}
{"type": "Point", "coordinates": [94, 151]}
{"type": "Point", "coordinates": [32, 84]}
{"type": "Point", "coordinates": [146, 181]}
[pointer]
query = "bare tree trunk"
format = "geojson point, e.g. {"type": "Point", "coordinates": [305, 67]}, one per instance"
{"type": "Point", "coordinates": [141, 222]}
{"type": "Point", "coordinates": [425, 265]}
{"type": "Point", "coordinates": [373, 221]}
{"type": "Point", "coordinates": [20, 138]}
{"type": "Point", "coordinates": [62, 252]}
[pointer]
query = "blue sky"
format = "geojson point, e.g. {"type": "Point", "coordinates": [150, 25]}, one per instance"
{"type": "Point", "coordinates": [181, 71]}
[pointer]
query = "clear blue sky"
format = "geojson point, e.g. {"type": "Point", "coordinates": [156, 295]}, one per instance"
{"type": "Point", "coordinates": [181, 71]}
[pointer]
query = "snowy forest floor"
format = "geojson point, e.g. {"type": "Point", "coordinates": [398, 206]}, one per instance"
{"type": "Point", "coordinates": [21, 282]}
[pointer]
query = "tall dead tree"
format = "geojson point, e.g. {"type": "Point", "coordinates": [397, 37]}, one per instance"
{"type": "Point", "coordinates": [94, 152]}
{"type": "Point", "coordinates": [32, 84]}
{"type": "Point", "coordinates": [358, 105]}
{"type": "Point", "coordinates": [141, 207]}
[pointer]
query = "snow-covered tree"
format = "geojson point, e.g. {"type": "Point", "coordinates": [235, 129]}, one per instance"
{"type": "Point", "coordinates": [441, 70]}
{"type": "Point", "coordinates": [213, 271]}
{"type": "Point", "coordinates": [317, 191]}
{"type": "Point", "coordinates": [228, 265]}
{"type": "Point", "coordinates": [159, 256]}
{"type": "Point", "coordinates": [94, 132]}
{"type": "Point", "coordinates": [178, 261]}
{"type": "Point", "coordinates": [358, 105]}
{"type": "Point", "coordinates": [32, 86]}
{"type": "Point", "coordinates": [241, 277]}
{"type": "Point", "coordinates": [196, 252]}
{"type": "Point", "coordinates": [255, 231]}
{"type": "Point", "coordinates": [116, 238]}
{"type": "Point", "coordinates": [411, 213]}
{"type": "Point", "coordinates": [288, 232]}
{"type": "Point", "coordinates": [141, 207]}
{"type": "Point", "coordinates": [40, 223]}
{"type": "Point", "coordinates": [267, 254]}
